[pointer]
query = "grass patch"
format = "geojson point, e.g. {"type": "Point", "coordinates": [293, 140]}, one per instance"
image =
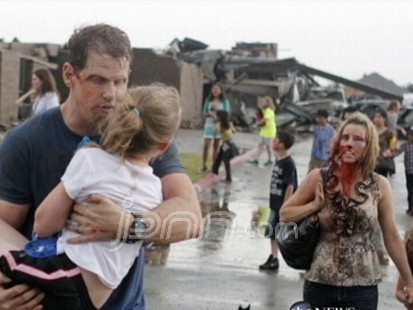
{"type": "Point", "coordinates": [193, 163]}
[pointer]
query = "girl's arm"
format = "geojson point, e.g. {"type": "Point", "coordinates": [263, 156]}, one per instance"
{"type": "Point", "coordinates": [53, 212]}
{"type": "Point", "coordinates": [207, 109]}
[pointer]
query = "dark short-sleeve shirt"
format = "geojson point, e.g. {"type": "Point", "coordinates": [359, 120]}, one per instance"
{"type": "Point", "coordinates": [34, 156]}
{"type": "Point", "coordinates": [284, 173]}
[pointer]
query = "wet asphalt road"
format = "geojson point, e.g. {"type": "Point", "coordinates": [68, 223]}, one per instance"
{"type": "Point", "coordinates": [220, 271]}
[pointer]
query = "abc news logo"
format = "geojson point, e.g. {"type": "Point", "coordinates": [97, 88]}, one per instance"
{"type": "Point", "coordinates": [301, 305]}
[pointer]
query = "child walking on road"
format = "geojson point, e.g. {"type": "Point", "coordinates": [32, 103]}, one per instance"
{"type": "Point", "coordinates": [283, 184]}
{"type": "Point", "coordinates": [268, 131]}
{"type": "Point", "coordinates": [228, 149]}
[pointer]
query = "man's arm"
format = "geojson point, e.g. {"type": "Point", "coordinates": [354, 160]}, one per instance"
{"type": "Point", "coordinates": [180, 214]}
{"type": "Point", "coordinates": [13, 214]}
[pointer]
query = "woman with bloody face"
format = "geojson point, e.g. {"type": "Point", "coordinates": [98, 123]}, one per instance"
{"type": "Point", "coordinates": [345, 269]}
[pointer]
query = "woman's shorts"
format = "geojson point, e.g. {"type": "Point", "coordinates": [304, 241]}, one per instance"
{"type": "Point", "coordinates": [210, 132]}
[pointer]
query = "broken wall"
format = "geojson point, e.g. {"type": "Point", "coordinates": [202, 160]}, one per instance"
{"type": "Point", "coordinates": [191, 81]}
{"type": "Point", "coordinates": [9, 86]}
{"type": "Point", "coordinates": [148, 67]}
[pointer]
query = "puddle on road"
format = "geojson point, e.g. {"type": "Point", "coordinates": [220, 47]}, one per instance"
{"type": "Point", "coordinates": [218, 218]}
{"type": "Point", "coordinates": [227, 212]}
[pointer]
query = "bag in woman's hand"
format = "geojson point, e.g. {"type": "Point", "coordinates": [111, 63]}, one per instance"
{"type": "Point", "coordinates": [298, 242]}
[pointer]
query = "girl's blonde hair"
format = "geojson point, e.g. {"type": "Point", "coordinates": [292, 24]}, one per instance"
{"type": "Point", "coordinates": [267, 102]}
{"type": "Point", "coordinates": [369, 159]}
{"type": "Point", "coordinates": [146, 117]}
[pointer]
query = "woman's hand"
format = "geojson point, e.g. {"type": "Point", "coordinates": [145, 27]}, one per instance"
{"type": "Point", "coordinates": [19, 297]}
{"type": "Point", "coordinates": [100, 220]}
{"type": "Point", "coordinates": [405, 296]}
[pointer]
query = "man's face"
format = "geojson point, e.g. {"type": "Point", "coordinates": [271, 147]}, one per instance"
{"type": "Point", "coordinates": [98, 87]}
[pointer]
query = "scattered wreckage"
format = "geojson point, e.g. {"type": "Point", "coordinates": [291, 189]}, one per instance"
{"type": "Point", "coordinates": [252, 70]}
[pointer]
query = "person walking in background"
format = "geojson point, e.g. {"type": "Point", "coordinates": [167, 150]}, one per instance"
{"type": "Point", "coordinates": [282, 186]}
{"type": "Point", "coordinates": [216, 101]}
{"type": "Point", "coordinates": [228, 149]}
{"type": "Point", "coordinates": [385, 164]}
{"type": "Point", "coordinates": [345, 269]}
{"type": "Point", "coordinates": [35, 155]}
{"type": "Point", "coordinates": [393, 111]}
{"type": "Point", "coordinates": [139, 130]}
{"type": "Point", "coordinates": [322, 135]}
{"type": "Point", "coordinates": [347, 113]}
{"type": "Point", "coordinates": [268, 131]}
{"type": "Point", "coordinates": [407, 149]}
{"type": "Point", "coordinates": [44, 91]}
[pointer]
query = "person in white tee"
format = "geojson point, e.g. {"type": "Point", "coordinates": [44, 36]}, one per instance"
{"type": "Point", "coordinates": [43, 93]}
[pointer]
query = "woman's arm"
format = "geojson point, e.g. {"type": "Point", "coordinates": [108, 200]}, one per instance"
{"type": "Point", "coordinates": [391, 236]}
{"type": "Point", "coordinates": [23, 97]}
{"type": "Point", "coordinates": [53, 212]}
{"type": "Point", "coordinates": [306, 200]}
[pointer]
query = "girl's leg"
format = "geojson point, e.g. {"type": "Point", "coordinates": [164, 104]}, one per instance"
{"type": "Point", "coordinates": [217, 162]}
{"type": "Point", "coordinates": [215, 148]}
{"type": "Point", "coordinates": [269, 152]}
{"type": "Point", "coordinates": [227, 163]}
{"type": "Point", "coordinates": [10, 239]}
{"type": "Point", "coordinates": [260, 149]}
{"type": "Point", "coordinates": [98, 292]}
{"type": "Point", "coordinates": [207, 144]}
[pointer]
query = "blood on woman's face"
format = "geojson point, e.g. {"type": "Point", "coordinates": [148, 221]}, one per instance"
{"type": "Point", "coordinates": [353, 143]}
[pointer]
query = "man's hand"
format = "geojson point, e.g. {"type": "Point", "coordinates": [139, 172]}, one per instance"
{"type": "Point", "coordinates": [19, 297]}
{"type": "Point", "coordinates": [97, 221]}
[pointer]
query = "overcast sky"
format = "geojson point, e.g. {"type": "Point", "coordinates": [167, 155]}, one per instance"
{"type": "Point", "coordinates": [348, 38]}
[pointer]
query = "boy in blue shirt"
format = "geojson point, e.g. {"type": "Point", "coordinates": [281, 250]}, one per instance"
{"type": "Point", "coordinates": [283, 184]}
{"type": "Point", "coordinates": [323, 133]}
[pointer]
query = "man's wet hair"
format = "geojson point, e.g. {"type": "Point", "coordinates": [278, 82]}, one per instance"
{"type": "Point", "coordinates": [101, 39]}
{"type": "Point", "coordinates": [286, 138]}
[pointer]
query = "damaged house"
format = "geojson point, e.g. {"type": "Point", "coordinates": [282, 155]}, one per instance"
{"type": "Point", "coordinates": [248, 71]}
